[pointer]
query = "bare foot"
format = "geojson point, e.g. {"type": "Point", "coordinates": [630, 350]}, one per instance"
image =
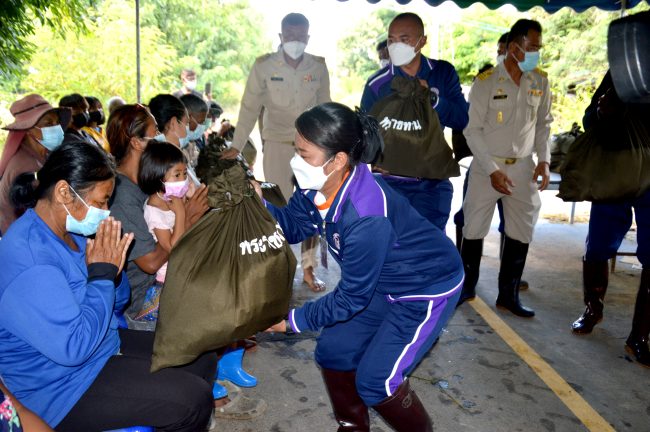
{"type": "Point", "coordinates": [314, 284]}
{"type": "Point", "coordinates": [221, 402]}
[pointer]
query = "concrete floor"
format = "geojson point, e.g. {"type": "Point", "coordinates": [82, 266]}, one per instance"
{"type": "Point", "coordinates": [472, 380]}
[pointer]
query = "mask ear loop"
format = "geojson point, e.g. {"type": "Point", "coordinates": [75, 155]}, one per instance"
{"type": "Point", "coordinates": [78, 196]}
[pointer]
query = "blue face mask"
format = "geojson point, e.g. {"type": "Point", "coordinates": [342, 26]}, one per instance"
{"type": "Point", "coordinates": [52, 137]}
{"type": "Point", "coordinates": [88, 226]}
{"type": "Point", "coordinates": [160, 137]}
{"type": "Point", "coordinates": [184, 141]}
{"type": "Point", "coordinates": [197, 133]}
{"type": "Point", "coordinates": [530, 60]}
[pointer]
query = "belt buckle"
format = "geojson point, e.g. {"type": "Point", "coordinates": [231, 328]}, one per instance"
{"type": "Point", "coordinates": [510, 161]}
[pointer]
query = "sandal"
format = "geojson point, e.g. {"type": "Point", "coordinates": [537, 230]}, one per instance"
{"type": "Point", "coordinates": [316, 285]}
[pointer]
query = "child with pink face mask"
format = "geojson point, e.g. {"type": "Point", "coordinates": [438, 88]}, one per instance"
{"type": "Point", "coordinates": [162, 176]}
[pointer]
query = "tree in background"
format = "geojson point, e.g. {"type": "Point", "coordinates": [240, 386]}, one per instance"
{"type": "Point", "coordinates": [359, 56]}
{"type": "Point", "coordinates": [100, 62]}
{"type": "Point", "coordinates": [219, 39]}
{"type": "Point", "coordinates": [19, 21]}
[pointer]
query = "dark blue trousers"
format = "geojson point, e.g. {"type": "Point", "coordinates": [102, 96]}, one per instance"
{"type": "Point", "coordinates": [385, 341]}
{"type": "Point", "coordinates": [431, 198]}
{"type": "Point", "coordinates": [608, 224]}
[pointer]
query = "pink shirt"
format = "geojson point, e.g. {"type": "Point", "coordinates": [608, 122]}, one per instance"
{"type": "Point", "coordinates": [159, 219]}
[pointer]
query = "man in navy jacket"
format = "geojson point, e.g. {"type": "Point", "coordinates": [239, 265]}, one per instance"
{"type": "Point", "coordinates": [430, 197]}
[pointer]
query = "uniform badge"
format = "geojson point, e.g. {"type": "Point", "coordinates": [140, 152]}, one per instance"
{"type": "Point", "coordinates": [502, 79]}
{"type": "Point", "coordinates": [500, 117]}
{"type": "Point", "coordinates": [277, 78]}
{"type": "Point", "coordinates": [308, 78]}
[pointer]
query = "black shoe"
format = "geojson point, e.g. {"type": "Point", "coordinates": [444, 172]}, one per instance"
{"type": "Point", "coordinates": [471, 252]}
{"type": "Point", "coordinates": [637, 342]}
{"type": "Point", "coordinates": [639, 349]}
{"type": "Point", "coordinates": [595, 276]}
{"type": "Point", "coordinates": [512, 267]}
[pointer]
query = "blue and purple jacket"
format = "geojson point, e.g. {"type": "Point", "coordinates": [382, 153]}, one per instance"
{"type": "Point", "coordinates": [380, 242]}
{"type": "Point", "coordinates": [450, 104]}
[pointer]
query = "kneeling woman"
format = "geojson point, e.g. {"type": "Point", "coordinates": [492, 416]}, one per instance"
{"type": "Point", "coordinates": [400, 275]}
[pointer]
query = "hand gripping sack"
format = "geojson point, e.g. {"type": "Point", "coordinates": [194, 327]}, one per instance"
{"type": "Point", "coordinates": [228, 277]}
{"type": "Point", "coordinates": [609, 162]}
{"type": "Point", "coordinates": [210, 165]}
{"type": "Point", "coordinates": [415, 145]}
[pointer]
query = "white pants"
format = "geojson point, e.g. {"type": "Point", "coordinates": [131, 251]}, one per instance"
{"type": "Point", "coordinates": [277, 170]}
{"type": "Point", "coordinates": [520, 209]}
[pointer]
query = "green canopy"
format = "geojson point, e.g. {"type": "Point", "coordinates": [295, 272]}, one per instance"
{"type": "Point", "coordinates": [548, 5]}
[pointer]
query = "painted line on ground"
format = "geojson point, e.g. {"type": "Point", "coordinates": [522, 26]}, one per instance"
{"type": "Point", "coordinates": [580, 408]}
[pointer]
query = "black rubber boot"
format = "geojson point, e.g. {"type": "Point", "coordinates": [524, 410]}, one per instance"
{"type": "Point", "coordinates": [471, 252]}
{"type": "Point", "coordinates": [523, 285]}
{"type": "Point", "coordinates": [512, 267]}
{"type": "Point", "coordinates": [404, 411]}
{"type": "Point", "coordinates": [637, 342]}
{"type": "Point", "coordinates": [595, 277]}
{"type": "Point", "coordinates": [349, 410]}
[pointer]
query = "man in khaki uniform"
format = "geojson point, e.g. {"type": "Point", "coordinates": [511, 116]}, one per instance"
{"type": "Point", "coordinates": [509, 119]}
{"type": "Point", "coordinates": [283, 85]}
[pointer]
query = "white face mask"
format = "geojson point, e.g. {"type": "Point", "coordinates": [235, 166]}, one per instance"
{"type": "Point", "coordinates": [294, 49]}
{"type": "Point", "coordinates": [401, 53]}
{"type": "Point", "coordinates": [190, 85]}
{"type": "Point", "coordinates": [501, 58]}
{"type": "Point", "coordinates": [309, 176]}
{"type": "Point", "coordinates": [383, 63]}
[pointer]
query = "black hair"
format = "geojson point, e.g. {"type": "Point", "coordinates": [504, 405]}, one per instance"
{"type": "Point", "coordinates": [74, 100]}
{"type": "Point", "coordinates": [485, 67]}
{"type": "Point", "coordinates": [156, 160]}
{"type": "Point", "coordinates": [164, 107]}
{"type": "Point", "coordinates": [412, 17]}
{"type": "Point", "coordinates": [381, 45]}
{"type": "Point", "coordinates": [92, 101]}
{"type": "Point", "coordinates": [186, 72]}
{"type": "Point", "coordinates": [81, 166]}
{"type": "Point", "coordinates": [194, 104]}
{"type": "Point", "coordinates": [215, 109]}
{"type": "Point", "coordinates": [295, 20]}
{"type": "Point", "coordinates": [503, 38]}
{"type": "Point", "coordinates": [521, 28]}
{"type": "Point", "coordinates": [336, 128]}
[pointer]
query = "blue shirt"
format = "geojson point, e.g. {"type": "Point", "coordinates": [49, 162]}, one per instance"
{"type": "Point", "coordinates": [448, 99]}
{"type": "Point", "coordinates": [57, 326]}
{"type": "Point", "coordinates": [379, 241]}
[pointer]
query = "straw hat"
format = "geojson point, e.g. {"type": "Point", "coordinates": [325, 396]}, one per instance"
{"type": "Point", "coordinates": [29, 110]}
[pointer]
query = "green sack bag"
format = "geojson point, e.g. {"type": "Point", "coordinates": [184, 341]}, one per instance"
{"type": "Point", "coordinates": [210, 165]}
{"type": "Point", "coordinates": [228, 277]}
{"type": "Point", "coordinates": [608, 163]}
{"type": "Point", "coordinates": [415, 145]}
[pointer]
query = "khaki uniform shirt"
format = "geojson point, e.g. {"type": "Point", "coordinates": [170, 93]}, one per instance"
{"type": "Point", "coordinates": [284, 93]}
{"type": "Point", "coordinates": [506, 120]}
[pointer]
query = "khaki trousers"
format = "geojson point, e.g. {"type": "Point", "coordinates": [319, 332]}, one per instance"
{"type": "Point", "coordinates": [277, 156]}
{"type": "Point", "coordinates": [521, 209]}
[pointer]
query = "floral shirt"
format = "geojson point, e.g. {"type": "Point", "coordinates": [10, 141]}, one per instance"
{"type": "Point", "coordinates": [9, 421]}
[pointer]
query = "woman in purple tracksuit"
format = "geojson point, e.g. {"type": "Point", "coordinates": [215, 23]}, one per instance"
{"type": "Point", "coordinates": [400, 275]}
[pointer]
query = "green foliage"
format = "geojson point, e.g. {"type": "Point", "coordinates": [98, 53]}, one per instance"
{"type": "Point", "coordinates": [218, 39]}
{"type": "Point", "coordinates": [102, 61]}
{"type": "Point", "coordinates": [471, 42]}
{"type": "Point", "coordinates": [19, 20]}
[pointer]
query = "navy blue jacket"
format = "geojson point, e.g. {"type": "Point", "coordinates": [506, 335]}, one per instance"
{"type": "Point", "coordinates": [450, 104]}
{"type": "Point", "coordinates": [379, 241]}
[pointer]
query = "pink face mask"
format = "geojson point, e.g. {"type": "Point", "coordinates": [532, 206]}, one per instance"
{"type": "Point", "coordinates": [176, 189]}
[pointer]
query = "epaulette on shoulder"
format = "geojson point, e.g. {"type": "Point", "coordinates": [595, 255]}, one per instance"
{"type": "Point", "coordinates": [485, 74]}
{"type": "Point", "coordinates": [263, 57]}
{"type": "Point", "coordinates": [541, 72]}
{"type": "Point", "coordinates": [319, 59]}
